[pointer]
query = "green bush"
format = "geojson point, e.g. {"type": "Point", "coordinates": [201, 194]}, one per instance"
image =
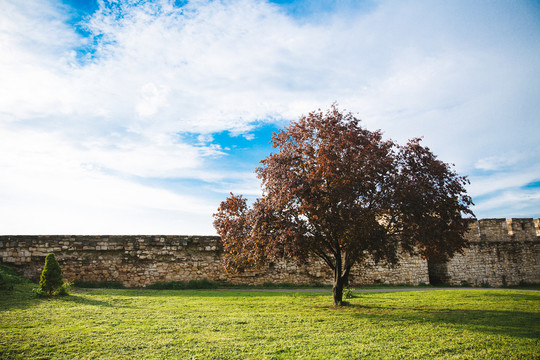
{"type": "Point", "coordinates": [202, 284]}
{"type": "Point", "coordinates": [348, 293]}
{"type": "Point", "coordinates": [5, 282]}
{"type": "Point", "coordinates": [283, 285]}
{"type": "Point", "coordinates": [8, 277]}
{"type": "Point", "coordinates": [99, 285]}
{"type": "Point", "coordinates": [181, 285]}
{"type": "Point", "coordinates": [39, 292]}
{"type": "Point", "coordinates": [63, 290]}
{"type": "Point", "coordinates": [287, 285]}
{"type": "Point", "coordinates": [51, 277]}
{"type": "Point", "coordinates": [7, 270]}
{"type": "Point", "coordinates": [169, 285]}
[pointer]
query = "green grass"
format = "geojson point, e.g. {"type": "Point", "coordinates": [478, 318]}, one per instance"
{"type": "Point", "coordinates": [8, 278]}
{"type": "Point", "coordinates": [214, 324]}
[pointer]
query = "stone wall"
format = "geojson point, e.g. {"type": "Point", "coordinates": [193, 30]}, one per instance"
{"type": "Point", "coordinates": [501, 252]}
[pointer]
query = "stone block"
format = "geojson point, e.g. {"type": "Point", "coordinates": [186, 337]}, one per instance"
{"type": "Point", "coordinates": [494, 229]}
{"type": "Point", "coordinates": [522, 229]}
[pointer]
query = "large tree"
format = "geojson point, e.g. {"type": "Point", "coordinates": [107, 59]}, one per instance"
{"type": "Point", "coordinates": [341, 193]}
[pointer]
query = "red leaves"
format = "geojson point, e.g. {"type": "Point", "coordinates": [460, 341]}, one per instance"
{"type": "Point", "coordinates": [339, 191]}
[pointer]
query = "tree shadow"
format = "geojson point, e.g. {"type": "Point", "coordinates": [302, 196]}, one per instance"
{"type": "Point", "coordinates": [21, 297]}
{"type": "Point", "coordinates": [515, 323]}
{"type": "Point", "coordinates": [521, 323]}
{"type": "Point", "coordinates": [532, 296]}
{"type": "Point", "coordinates": [80, 300]}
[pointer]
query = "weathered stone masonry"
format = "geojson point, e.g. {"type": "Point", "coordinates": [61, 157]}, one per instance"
{"type": "Point", "coordinates": [501, 252]}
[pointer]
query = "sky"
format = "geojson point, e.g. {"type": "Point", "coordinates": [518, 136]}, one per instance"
{"type": "Point", "coordinates": [140, 117]}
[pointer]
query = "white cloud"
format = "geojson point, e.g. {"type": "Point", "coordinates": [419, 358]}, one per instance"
{"type": "Point", "coordinates": [152, 98]}
{"type": "Point", "coordinates": [511, 203]}
{"type": "Point", "coordinates": [497, 162]}
{"type": "Point", "coordinates": [462, 75]}
{"type": "Point", "coordinates": [47, 183]}
{"type": "Point", "coordinates": [483, 185]}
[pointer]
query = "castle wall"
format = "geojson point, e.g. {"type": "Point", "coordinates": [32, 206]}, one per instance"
{"type": "Point", "coordinates": [501, 252]}
{"type": "Point", "coordinates": [142, 260]}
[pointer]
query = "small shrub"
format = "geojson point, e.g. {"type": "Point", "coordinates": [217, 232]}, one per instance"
{"type": "Point", "coordinates": [348, 293]}
{"type": "Point", "coordinates": [39, 292]}
{"type": "Point", "coordinates": [485, 284]}
{"type": "Point", "coordinates": [8, 278]}
{"type": "Point", "coordinates": [63, 290]}
{"type": "Point", "coordinates": [5, 282]}
{"type": "Point", "coordinates": [528, 285]}
{"type": "Point", "coordinates": [283, 285]}
{"type": "Point", "coordinates": [51, 276]}
{"type": "Point", "coordinates": [99, 285]}
{"type": "Point", "coordinates": [202, 284]}
{"type": "Point", "coordinates": [7, 270]}
{"type": "Point", "coordinates": [169, 285]}
{"type": "Point", "coordinates": [181, 285]}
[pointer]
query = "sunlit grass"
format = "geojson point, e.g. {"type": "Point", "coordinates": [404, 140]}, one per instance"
{"type": "Point", "coordinates": [127, 324]}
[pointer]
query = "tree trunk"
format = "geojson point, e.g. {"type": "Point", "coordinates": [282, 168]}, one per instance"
{"type": "Point", "coordinates": [337, 290]}
{"type": "Point", "coordinates": [346, 278]}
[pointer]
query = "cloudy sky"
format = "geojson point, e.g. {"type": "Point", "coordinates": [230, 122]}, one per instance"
{"type": "Point", "coordinates": [139, 117]}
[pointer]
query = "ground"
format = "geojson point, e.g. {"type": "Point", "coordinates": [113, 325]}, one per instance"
{"type": "Point", "coordinates": [217, 324]}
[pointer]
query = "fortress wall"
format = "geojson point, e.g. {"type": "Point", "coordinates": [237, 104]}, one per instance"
{"type": "Point", "coordinates": [501, 252]}
{"type": "Point", "coordinates": [138, 261]}
{"type": "Point", "coordinates": [506, 252]}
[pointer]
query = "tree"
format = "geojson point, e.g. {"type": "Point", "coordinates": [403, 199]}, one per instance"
{"type": "Point", "coordinates": [341, 193]}
{"type": "Point", "coordinates": [51, 277]}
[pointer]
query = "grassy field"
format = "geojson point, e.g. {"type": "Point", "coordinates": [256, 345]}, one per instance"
{"type": "Point", "coordinates": [136, 324]}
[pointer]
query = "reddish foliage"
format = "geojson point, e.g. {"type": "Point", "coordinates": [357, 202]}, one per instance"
{"type": "Point", "coordinates": [341, 193]}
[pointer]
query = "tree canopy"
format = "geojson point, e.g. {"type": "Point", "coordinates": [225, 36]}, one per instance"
{"type": "Point", "coordinates": [339, 192]}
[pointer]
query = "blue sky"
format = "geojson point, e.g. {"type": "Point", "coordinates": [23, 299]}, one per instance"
{"type": "Point", "coordinates": [139, 117]}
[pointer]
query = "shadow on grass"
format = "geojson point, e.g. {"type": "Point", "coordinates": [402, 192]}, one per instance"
{"type": "Point", "coordinates": [19, 298]}
{"type": "Point", "coordinates": [22, 298]}
{"type": "Point", "coordinates": [515, 323]}
{"type": "Point", "coordinates": [533, 296]}
{"type": "Point", "coordinates": [80, 300]}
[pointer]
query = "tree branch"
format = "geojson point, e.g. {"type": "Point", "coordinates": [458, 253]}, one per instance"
{"type": "Point", "coordinates": [325, 258]}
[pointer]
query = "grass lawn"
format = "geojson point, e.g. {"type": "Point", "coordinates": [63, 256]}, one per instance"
{"type": "Point", "coordinates": [202, 324]}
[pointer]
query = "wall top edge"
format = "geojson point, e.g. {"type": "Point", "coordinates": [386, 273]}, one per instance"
{"type": "Point", "coordinates": [503, 219]}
